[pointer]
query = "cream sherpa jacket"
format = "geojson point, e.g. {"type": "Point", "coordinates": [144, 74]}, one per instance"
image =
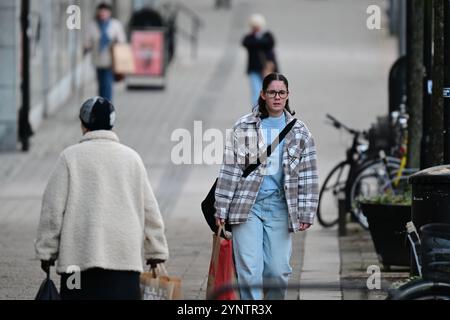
{"type": "Point", "coordinates": [99, 209]}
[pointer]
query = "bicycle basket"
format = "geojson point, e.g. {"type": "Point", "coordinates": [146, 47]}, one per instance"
{"type": "Point", "coordinates": [436, 252]}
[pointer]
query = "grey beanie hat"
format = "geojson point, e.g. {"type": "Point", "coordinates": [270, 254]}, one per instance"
{"type": "Point", "coordinates": [98, 113]}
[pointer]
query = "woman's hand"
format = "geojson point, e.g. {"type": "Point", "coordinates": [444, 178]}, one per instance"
{"type": "Point", "coordinates": [46, 264]}
{"type": "Point", "coordinates": [154, 262]}
{"type": "Point", "coordinates": [220, 222]}
{"type": "Point", "coordinates": [304, 226]}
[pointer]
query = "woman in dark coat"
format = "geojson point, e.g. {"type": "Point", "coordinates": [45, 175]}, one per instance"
{"type": "Point", "coordinates": [260, 45]}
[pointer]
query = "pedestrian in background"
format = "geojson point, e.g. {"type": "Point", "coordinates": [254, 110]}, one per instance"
{"type": "Point", "coordinates": [99, 212]}
{"type": "Point", "coordinates": [101, 35]}
{"type": "Point", "coordinates": [276, 199]}
{"type": "Point", "coordinates": [260, 44]}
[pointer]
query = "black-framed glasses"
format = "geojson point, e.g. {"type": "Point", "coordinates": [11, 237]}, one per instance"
{"type": "Point", "coordinates": [273, 93]}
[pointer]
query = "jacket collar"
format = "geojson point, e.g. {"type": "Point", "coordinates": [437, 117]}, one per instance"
{"type": "Point", "coordinates": [100, 135]}
{"type": "Point", "coordinates": [291, 135]}
{"type": "Point", "coordinates": [255, 117]}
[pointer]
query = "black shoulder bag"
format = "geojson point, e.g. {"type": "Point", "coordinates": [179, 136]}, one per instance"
{"type": "Point", "coordinates": [208, 204]}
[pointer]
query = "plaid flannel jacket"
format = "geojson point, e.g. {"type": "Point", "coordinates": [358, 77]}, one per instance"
{"type": "Point", "coordinates": [235, 195]}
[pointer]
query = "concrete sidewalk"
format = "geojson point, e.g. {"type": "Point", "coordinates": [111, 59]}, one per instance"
{"type": "Point", "coordinates": [334, 65]}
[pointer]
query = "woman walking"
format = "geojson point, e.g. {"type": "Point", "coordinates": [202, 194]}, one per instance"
{"type": "Point", "coordinates": [99, 214]}
{"type": "Point", "coordinates": [260, 44]}
{"type": "Point", "coordinates": [278, 198]}
{"type": "Point", "coordinates": [100, 37]}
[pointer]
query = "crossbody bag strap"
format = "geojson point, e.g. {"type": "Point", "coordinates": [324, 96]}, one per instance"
{"type": "Point", "coordinates": [269, 149]}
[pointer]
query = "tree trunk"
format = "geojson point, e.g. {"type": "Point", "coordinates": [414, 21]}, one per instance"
{"type": "Point", "coordinates": [437, 106]}
{"type": "Point", "coordinates": [428, 64]}
{"type": "Point", "coordinates": [415, 82]}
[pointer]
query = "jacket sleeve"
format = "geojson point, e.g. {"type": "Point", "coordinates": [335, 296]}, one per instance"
{"type": "Point", "coordinates": [53, 207]}
{"type": "Point", "coordinates": [266, 42]}
{"type": "Point", "coordinates": [88, 39]}
{"type": "Point", "coordinates": [155, 243]}
{"type": "Point", "coordinates": [247, 41]}
{"type": "Point", "coordinates": [121, 37]}
{"type": "Point", "coordinates": [308, 183]}
{"type": "Point", "coordinates": [229, 176]}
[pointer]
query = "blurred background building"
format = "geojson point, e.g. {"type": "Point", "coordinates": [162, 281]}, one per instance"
{"type": "Point", "coordinates": [39, 78]}
{"type": "Point", "coordinates": [335, 64]}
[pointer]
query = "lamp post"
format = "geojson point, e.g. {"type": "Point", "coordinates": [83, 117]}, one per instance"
{"type": "Point", "coordinates": [427, 83]}
{"type": "Point", "coordinates": [25, 130]}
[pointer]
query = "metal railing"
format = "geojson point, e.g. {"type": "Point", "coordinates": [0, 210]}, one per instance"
{"type": "Point", "coordinates": [191, 34]}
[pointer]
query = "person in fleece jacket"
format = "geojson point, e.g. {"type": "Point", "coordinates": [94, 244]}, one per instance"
{"type": "Point", "coordinates": [99, 213]}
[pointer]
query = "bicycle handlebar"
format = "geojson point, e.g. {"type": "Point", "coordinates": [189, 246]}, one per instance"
{"type": "Point", "coordinates": [338, 125]}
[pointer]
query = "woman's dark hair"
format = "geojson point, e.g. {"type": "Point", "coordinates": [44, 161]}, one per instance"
{"type": "Point", "coordinates": [266, 82]}
{"type": "Point", "coordinates": [104, 5]}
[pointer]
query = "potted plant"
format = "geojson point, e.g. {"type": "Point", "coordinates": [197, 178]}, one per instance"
{"type": "Point", "coordinates": [387, 215]}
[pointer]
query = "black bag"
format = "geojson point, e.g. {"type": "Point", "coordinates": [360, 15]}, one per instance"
{"type": "Point", "coordinates": [208, 208]}
{"type": "Point", "coordinates": [47, 290]}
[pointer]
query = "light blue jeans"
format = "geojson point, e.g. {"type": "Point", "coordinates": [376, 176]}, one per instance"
{"type": "Point", "coordinates": [262, 249]}
{"type": "Point", "coordinates": [256, 82]}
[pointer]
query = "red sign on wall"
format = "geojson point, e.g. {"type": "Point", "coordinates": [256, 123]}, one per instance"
{"type": "Point", "coordinates": [148, 51]}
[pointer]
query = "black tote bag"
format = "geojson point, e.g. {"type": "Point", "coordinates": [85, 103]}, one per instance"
{"type": "Point", "coordinates": [47, 290]}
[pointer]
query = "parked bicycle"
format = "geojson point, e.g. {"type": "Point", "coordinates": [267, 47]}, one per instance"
{"type": "Point", "coordinates": [369, 183]}
{"type": "Point", "coordinates": [361, 174]}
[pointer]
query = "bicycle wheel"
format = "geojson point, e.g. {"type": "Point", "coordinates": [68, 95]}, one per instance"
{"type": "Point", "coordinates": [327, 211]}
{"type": "Point", "coordinates": [372, 179]}
{"type": "Point", "coordinates": [423, 290]}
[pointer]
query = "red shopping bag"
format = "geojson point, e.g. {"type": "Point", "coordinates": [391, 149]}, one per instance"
{"type": "Point", "coordinates": [221, 268]}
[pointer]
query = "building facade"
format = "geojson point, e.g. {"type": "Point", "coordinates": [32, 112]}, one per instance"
{"type": "Point", "coordinates": [57, 66]}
